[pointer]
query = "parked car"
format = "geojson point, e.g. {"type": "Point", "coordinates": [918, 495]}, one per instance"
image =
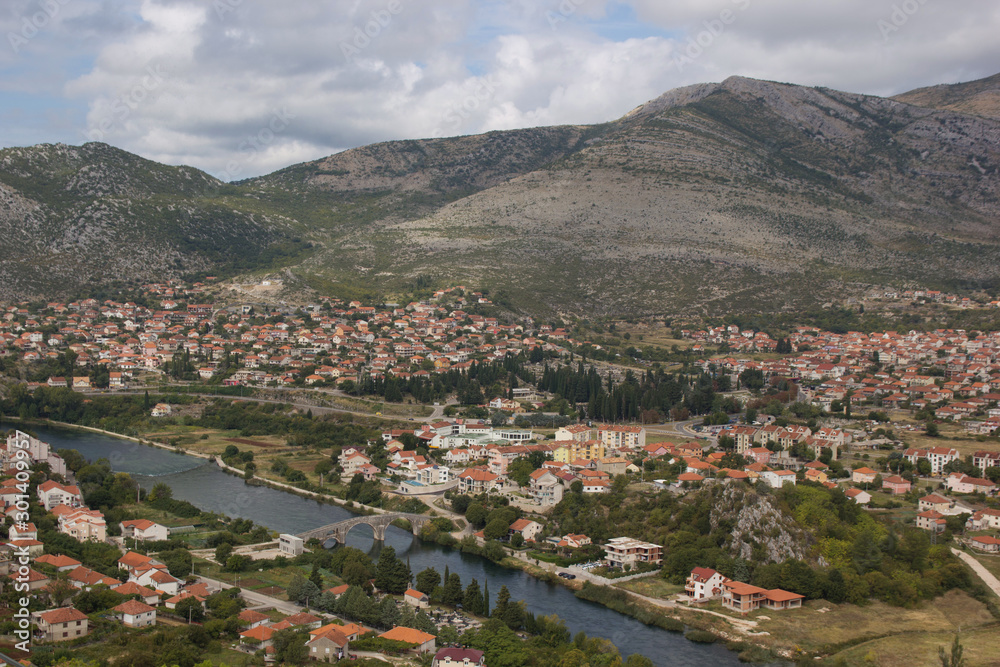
{"type": "Point", "coordinates": [567, 575]}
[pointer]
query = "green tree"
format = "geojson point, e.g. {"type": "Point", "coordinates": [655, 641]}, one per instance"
{"type": "Point", "coordinates": [476, 514]}
{"type": "Point", "coordinates": [391, 574]}
{"type": "Point", "coordinates": [222, 552]}
{"type": "Point", "coordinates": [496, 528]}
{"type": "Point", "coordinates": [452, 590]}
{"type": "Point", "coordinates": [315, 577]}
{"type": "Point", "coordinates": [427, 580]}
{"type": "Point", "coordinates": [472, 600]}
{"type": "Point", "coordinates": [953, 659]}
{"type": "Point", "coordinates": [190, 608]}
{"type": "Point", "coordinates": [290, 646]}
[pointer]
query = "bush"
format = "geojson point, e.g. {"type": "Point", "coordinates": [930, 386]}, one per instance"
{"type": "Point", "coordinates": [701, 637]}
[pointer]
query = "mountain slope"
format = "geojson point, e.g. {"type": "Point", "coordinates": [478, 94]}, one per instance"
{"type": "Point", "coordinates": [718, 196]}
{"type": "Point", "coordinates": [980, 97]}
{"type": "Point", "coordinates": [94, 215]}
{"type": "Point", "coordinates": [733, 196]}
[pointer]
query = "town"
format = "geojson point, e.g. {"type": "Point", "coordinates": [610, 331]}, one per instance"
{"type": "Point", "coordinates": [901, 425]}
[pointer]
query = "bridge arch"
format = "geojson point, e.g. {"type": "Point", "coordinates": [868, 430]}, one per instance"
{"type": "Point", "coordinates": [378, 522]}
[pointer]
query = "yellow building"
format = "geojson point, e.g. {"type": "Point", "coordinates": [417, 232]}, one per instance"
{"type": "Point", "coordinates": [572, 450]}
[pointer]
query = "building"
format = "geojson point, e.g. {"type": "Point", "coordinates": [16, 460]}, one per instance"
{"type": "Point", "coordinates": [329, 645]}
{"type": "Point", "coordinates": [84, 525]}
{"type": "Point", "coordinates": [52, 493]}
{"type": "Point", "coordinates": [135, 614]}
{"type": "Point", "coordinates": [568, 451]}
{"type": "Point", "coordinates": [984, 460]}
{"type": "Point", "coordinates": [59, 625]}
{"type": "Point", "coordinates": [459, 657]}
{"type": "Point", "coordinates": [546, 489]}
{"type": "Point", "coordinates": [423, 642]}
{"type": "Point", "coordinates": [960, 483]}
{"type": "Point", "coordinates": [744, 598]}
{"type": "Point", "coordinates": [144, 529]}
{"type": "Point", "coordinates": [895, 485]}
{"type": "Point", "coordinates": [622, 437]}
{"type": "Point", "coordinates": [291, 545]}
{"type": "Point", "coordinates": [622, 551]}
{"type": "Point", "coordinates": [578, 432]}
{"type": "Point", "coordinates": [415, 598]}
{"type": "Point", "coordinates": [931, 520]}
{"type": "Point", "coordinates": [984, 520]}
{"type": "Point", "coordinates": [704, 583]}
{"type": "Point", "coordinates": [474, 481]}
{"type": "Point", "coordinates": [778, 478]}
{"type": "Point", "coordinates": [938, 457]}
{"type": "Point", "coordinates": [527, 528]}
{"type": "Point", "coordinates": [864, 476]}
{"type": "Point", "coordinates": [985, 543]}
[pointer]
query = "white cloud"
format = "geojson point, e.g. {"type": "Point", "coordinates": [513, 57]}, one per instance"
{"type": "Point", "coordinates": [183, 81]}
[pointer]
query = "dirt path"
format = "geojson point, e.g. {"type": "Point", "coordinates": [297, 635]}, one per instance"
{"type": "Point", "coordinates": [978, 568]}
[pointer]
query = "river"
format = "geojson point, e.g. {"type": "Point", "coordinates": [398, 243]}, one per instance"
{"type": "Point", "coordinates": [206, 486]}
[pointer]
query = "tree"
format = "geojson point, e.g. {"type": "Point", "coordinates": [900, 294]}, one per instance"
{"type": "Point", "coordinates": [496, 528]}
{"type": "Point", "coordinates": [190, 608]}
{"type": "Point", "coordinates": [955, 659]}
{"type": "Point", "coordinates": [452, 590]}
{"type": "Point", "coordinates": [315, 577]}
{"type": "Point", "coordinates": [427, 580]}
{"type": "Point", "coordinates": [290, 647]}
{"type": "Point", "coordinates": [726, 443]}
{"type": "Point", "coordinates": [993, 474]}
{"type": "Point", "coordinates": [472, 600]}
{"type": "Point", "coordinates": [222, 552]}
{"type": "Point", "coordinates": [391, 574]}
{"type": "Point", "coordinates": [476, 514]}
{"type": "Point", "coordinates": [932, 430]}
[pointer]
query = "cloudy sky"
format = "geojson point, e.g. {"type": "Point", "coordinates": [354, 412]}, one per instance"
{"type": "Point", "coordinates": [244, 87]}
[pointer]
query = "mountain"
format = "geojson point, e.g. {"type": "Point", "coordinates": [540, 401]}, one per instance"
{"type": "Point", "coordinates": [980, 97]}
{"type": "Point", "coordinates": [744, 195]}
{"type": "Point", "coordinates": [89, 217]}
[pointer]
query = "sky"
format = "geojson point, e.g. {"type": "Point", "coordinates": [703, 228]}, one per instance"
{"type": "Point", "coordinates": [240, 88]}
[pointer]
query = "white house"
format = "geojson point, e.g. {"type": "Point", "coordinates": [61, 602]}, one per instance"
{"type": "Point", "coordinates": [704, 583]}
{"type": "Point", "coordinates": [144, 529]}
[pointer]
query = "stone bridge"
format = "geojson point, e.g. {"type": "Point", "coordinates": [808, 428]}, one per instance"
{"type": "Point", "coordinates": [378, 522]}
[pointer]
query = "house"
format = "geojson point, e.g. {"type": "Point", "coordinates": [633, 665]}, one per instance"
{"type": "Point", "coordinates": [931, 520]}
{"type": "Point", "coordinates": [58, 625]}
{"type": "Point", "coordinates": [622, 437]}
{"type": "Point", "coordinates": [936, 502]}
{"type": "Point", "coordinates": [474, 481]}
{"type": "Point", "coordinates": [423, 642]}
{"type": "Point", "coordinates": [458, 657]}
{"type": "Point", "coordinates": [252, 619]}
{"type": "Point", "coordinates": [60, 563]}
{"type": "Point", "coordinates": [858, 496]}
{"type": "Point", "coordinates": [328, 645]}
{"type": "Point", "coordinates": [704, 583]}
{"type": "Point", "coordinates": [895, 485]}
{"type": "Point", "coordinates": [742, 597]}
{"type": "Point", "coordinates": [415, 598]}
{"type": "Point", "coordinates": [527, 528]}
{"type": "Point", "coordinates": [985, 543]}
{"type": "Point", "coordinates": [84, 524]}
{"type": "Point", "coordinates": [258, 637]}
{"type": "Point", "coordinates": [147, 595]}
{"type": "Point", "coordinates": [622, 551]}
{"type": "Point", "coordinates": [778, 478]}
{"type": "Point", "coordinates": [938, 457]}
{"type": "Point", "coordinates": [984, 460]}
{"type": "Point", "coordinates": [960, 483]}
{"type": "Point", "coordinates": [574, 541]}
{"type": "Point", "coordinates": [984, 520]}
{"type": "Point", "coordinates": [52, 493]}
{"type": "Point", "coordinates": [863, 476]}
{"type": "Point", "coordinates": [546, 489]}
{"type": "Point", "coordinates": [291, 545]}
{"type": "Point", "coordinates": [778, 599]}
{"type": "Point", "coordinates": [144, 529]}
{"type": "Point", "coordinates": [135, 614]}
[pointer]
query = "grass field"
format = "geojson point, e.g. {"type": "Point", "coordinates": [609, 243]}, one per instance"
{"type": "Point", "coordinates": [653, 586]}
{"type": "Point", "coordinates": [815, 630]}
{"type": "Point", "coordinates": [921, 648]}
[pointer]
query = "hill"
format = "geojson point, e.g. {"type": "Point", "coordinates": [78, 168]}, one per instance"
{"type": "Point", "coordinates": [980, 97]}
{"type": "Point", "coordinates": [734, 196]}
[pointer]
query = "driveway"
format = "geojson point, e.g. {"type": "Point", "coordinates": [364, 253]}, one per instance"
{"type": "Point", "coordinates": [978, 568]}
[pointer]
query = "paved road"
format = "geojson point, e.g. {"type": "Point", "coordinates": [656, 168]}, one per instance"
{"type": "Point", "coordinates": [256, 599]}
{"type": "Point", "coordinates": [978, 568]}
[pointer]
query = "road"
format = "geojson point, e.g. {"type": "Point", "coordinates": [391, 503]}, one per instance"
{"type": "Point", "coordinates": [978, 568]}
{"type": "Point", "coordinates": [256, 599]}
{"type": "Point", "coordinates": [682, 429]}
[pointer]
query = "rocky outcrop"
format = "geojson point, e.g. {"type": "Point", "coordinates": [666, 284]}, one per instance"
{"type": "Point", "coordinates": [758, 531]}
